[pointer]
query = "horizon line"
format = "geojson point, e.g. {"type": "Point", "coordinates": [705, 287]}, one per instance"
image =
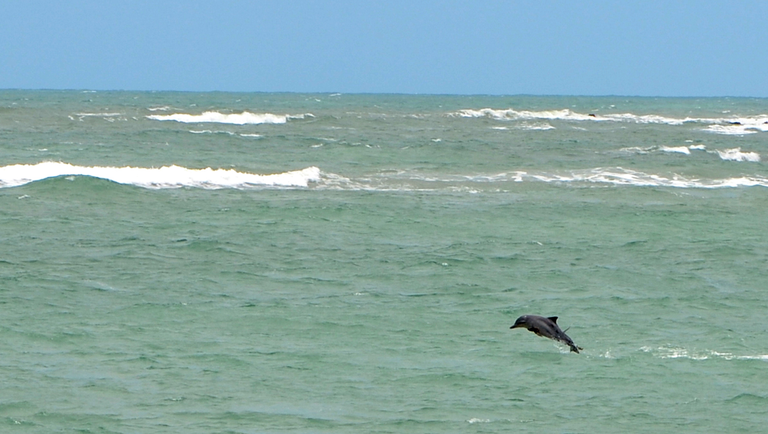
{"type": "Point", "coordinates": [542, 95]}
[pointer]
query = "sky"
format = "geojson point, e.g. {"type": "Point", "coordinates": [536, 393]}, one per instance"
{"type": "Point", "coordinates": [537, 47]}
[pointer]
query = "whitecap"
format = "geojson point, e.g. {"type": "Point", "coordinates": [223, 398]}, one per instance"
{"type": "Point", "coordinates": [540, 126]}
{"type": "Point", "coordinates": [566, 115]}
{"type": "Point", "coordinates": [733, 125]}
{"type": "Point", "coordinates": [621, 176]}
{"type": "Point", "coordinates": [736, 155]}
{"type": "Point", "coordinates": [684, 353]}
{"type": "Point", "coordinates": [97, 114]}
{"type": "Point", "coordinates": [676, 149]}
{"type": "Point", "coordinates": [730, 130]}
{"type": "Point", "coordinates": [617, 176]}
{"type": "Point", "coordinates": [511, 114]}
{"type": "Point", "coordinates": [111, 117]}
{"type": "Point", "coordinates": [244, 118]}
{"type": "Point", "coordinates": [645, 119]}
{"type": "Point", "coordinates": [637, 150]}
{"type": "Point", "coordinates": [739, 125]}
{"type": "Point", "coordinates": [211, 132]}
{"type": "Point", "coordinates": [158, 178]}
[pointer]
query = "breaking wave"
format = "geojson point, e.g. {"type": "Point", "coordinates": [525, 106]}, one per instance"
{"type": "Point", "coordinates": [734, 154]}
{"type": "Point", "coordinates": [158, 178]}
{"type": "Point", "coordinates": [244, 118]}
{"type": "Point", "coordinates": [737, 155]}
{"type": "Point", "coordinates": [683, 353]}
{"type": "Point", "coordinates": [621, 176]}
{"type": "Point", "coordinates": [617, 176]}
{"type": "Point", "coordinates": [401, 181]}
{"type": "Point", "coordinates": [566, 115]}
{"type": "Point", "coordinates": [729, 126]}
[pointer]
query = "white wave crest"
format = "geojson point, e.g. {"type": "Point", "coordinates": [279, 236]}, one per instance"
{"type": "Point", "coordinates": [729, 130]}
{"type": "Point", "coordinates": [621, 176]}
{"type": "Point", "coordinates": [511, 114]}
{"type": "Point", "coordinates": [565, 115]}
{"type": "Point", "coordinates": [609, 176]}
{"type": "Point", "coordinates": [736, 155]}
{"type": "Point", "coordinates": [244, 118]}
{"type": "Point", "coordinates": [740, 126]}
{"type": "Point", "coordinates": [676, 149]}
{"type": "Point", "coordinates": [110, 117]}
{"type": "Point", "coordinates": [414, 181]}
{"type": "Point", "coordinates": [538, 126]}
{"type": "Point", "coordinates": [683, 353]}
{"type": "Point", "coordinates": [158, 178]}
{"type": "Point", "coordinates": [731, 125]}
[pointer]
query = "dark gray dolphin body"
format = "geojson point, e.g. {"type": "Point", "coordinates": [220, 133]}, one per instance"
{"type": "Point", "coordinates": [546, 327]}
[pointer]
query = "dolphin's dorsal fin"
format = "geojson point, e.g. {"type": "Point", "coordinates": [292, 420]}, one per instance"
{"type": "Point", "coordinates": [553, 319]}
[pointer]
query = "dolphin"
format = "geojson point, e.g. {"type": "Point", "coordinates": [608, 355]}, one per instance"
{"type": "Point", "coordinates": [546, 327]}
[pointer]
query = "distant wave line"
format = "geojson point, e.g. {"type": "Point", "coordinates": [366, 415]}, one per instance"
{"type": "Point", "coordinates": [730, 125]}
{"type": "Point", "coordinates": [157, 178]}
{"type": "Point", "coordinates": [244, 118]}
{"type": "Point", "coordinates": [733, 154]}
{"type": "Point", "coordinates": [618, 176]}
{"type": "Point", "coordinates": [176, 177]}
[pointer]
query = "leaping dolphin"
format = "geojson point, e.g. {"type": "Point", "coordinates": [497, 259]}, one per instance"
{"type": "Point", "coordinates": [546, 327]}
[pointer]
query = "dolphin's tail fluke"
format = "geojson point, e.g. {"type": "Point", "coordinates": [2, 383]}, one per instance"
{"type": "Point", "coordinates": [575, 349]}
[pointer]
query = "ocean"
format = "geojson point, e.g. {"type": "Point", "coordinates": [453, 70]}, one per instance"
{"type": "Point", "coordinates": [330, 263]}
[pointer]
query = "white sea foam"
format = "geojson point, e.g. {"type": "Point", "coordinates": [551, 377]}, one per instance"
{"type": "Point", "coordinates": [676, 149]}
{"type": "Point", "coordinates": [683, 353]}
{"type": "Point", "coordinates": [97, 114]}
{"type": "Point", "coordinates": [621, 176]}
{"type": "Point", "coordinates": [176, 176]}
{"type": "Point", "coordinates": [736, 155]}
{"type": "Point", "coordinates": [566, 115]}
{"type": "Point", "coordinates": [729, 130]}
{"type": "Point", "coordinates": [244, 118]}
{"type": "Point", "coordinates": [229, 133]}
{"type": "Point", "coordinates": [111, 117]}
{"type": "Point", "coordinates": [526, 126]}
{"type": "Point", "coordinates": [740, 126]}
{"type": "Point", "coordinates": [158, 178]}
{"type": "Point", "coordinates": [617, 176]}
{"type": "Point", "coordinates": [510, 114]}
{"type": "Point", "coordinates": [731, 125]}
{"type": "Point", "coordinates": [536, 126]}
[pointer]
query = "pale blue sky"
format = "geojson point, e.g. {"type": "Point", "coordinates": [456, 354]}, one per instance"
{"type": "Point", "coordinates": [621, 47]}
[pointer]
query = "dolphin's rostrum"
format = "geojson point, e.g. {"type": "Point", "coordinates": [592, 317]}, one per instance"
{"type": "Point", "coordinates": [546, 327]}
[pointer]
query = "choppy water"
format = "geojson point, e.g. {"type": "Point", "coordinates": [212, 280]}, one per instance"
{"type": "Point", "coordinates": [250, 263]}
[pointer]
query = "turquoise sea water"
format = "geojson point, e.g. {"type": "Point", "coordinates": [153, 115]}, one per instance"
{"type": "Point", "coordinates": [252, 263]}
